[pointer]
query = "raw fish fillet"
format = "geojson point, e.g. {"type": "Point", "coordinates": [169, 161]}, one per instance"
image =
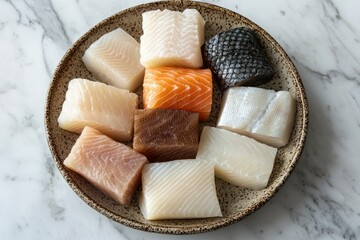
{"type": "Point", "coordinates": [172, 38]}
{"type": "Point", "coordinates": [237, 58]}
{"type": "Point", "coordinates": [115, 59]}
{"type": "Point", "coordinates": [178, 88]}
{"type": "Point", "coordinates": [264, 115]}
{"type": "Point", "coordinates": [112, 167]}
{"type": "Point", "coordinates": [239, 160]}
{"type": "Point", "coordinates": [94, 104]}
{"type": "Point", "coordinates": [166, 134]}
{"type": "Point", "coordinates": [179, 189]}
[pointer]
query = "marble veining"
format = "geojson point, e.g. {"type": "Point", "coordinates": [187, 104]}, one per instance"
{"type": "Point", "coordinates": [321, 199]}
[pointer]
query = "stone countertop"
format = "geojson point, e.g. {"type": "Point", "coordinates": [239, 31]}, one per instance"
{"type": "Point", "coordinates": [320, 200]}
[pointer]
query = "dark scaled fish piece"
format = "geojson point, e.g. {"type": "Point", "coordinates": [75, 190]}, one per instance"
{"type": "Point", "coordinates": [237, 59]}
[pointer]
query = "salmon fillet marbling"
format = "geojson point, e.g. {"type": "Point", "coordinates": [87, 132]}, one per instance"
{"type": "Point", "coordinates": [178, 88]}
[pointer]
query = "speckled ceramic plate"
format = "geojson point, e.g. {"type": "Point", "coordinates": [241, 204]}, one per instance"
{"type": "Point", "coordinates": [236, 202]}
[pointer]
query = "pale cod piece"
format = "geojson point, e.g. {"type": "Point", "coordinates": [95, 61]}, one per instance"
{"type": "Point", "coordinates": [172, 38]}
{"type": "Point", "coordinates": [179, 189]}
{"type": "Point", "coordinates": [115, 59]}
{"type": "Point", "coordinates": [112, 167]}
{"type": "Point", "coordinates": [239, 160]}
{"type": "Point", "coordinates": [105, 108]}
{"type": "Point", "coordinates": [262, 114]}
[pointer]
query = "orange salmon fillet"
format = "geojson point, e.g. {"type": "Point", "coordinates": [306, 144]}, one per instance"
{"type": "Point", "coordinates": [178, 88]}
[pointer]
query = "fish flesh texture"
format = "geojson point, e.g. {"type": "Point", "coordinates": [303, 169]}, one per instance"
{"type": "Point", "coordinates": [115, 59]}
{"type": "Point", "coordinates": [237, 58]}
{"type": "Point", "coordinates": [166, 134]}
{"type": "Point", "coordinates": [178, 88]}
{"type": "Point", "coordinates": [172, 38]}
{"type": "Point", "coordinates": [112, 167]}
{"type": "Point", "coordinates": [239, 160]}
{"type": "Point", "coordinates": [262, 114]}
{"type": "Point", "coordinates": [180, 189]}
{"type": "Point", "coordinates": [100, 106]}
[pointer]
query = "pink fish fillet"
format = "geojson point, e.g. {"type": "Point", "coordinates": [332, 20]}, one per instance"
{"type": "Point", "coordinates": [112, 167]}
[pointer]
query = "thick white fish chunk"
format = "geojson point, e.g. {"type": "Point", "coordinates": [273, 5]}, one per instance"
{"type": "Point", "coordinates": [115, 59]}
{"type": "Point", "coordinates": [172, 38]}
{"type": "Point", "coordinates": [112, 167]}
{"type": "Point", "coordinates": [105, 108]}
{"type": "Point", "coordinates": [262, 114]}
{"type": "Point", "coordinates": [179, 189]}
{"type": "Point", "coordinates": [239, 160]}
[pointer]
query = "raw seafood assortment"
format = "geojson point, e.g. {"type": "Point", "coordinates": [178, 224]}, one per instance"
{"type": "Point", "coordinates": [115, 59]}
{"type": "Point", "coordinates": [179, 189]}
{"type": "Point", "coordinates": [94, 104]}
{"type": "Point", "coordinates": [262, 114]}
{"type": "Point", "coordinates": [176, 96]}
{"type": "Point", "coordinates": [112, 167]}
{"type": "Point", "coordinates": [172, 38]}
{"type": "Point", "coordinates": [239, 160]}
{"type": "Point", "coordinates": [166, 134]}
{"type": "Point", "coordinates": [178, 88]}
{"type": "Point", "coordinates": [237, 59]}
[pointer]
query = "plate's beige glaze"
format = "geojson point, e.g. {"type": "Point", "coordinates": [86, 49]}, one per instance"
{"type": "Point", "coordinates": [236, 202]}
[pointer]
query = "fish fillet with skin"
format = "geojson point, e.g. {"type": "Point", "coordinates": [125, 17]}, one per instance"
{"type": "Point", "coordinates": [178, 88]}
{"type": "Point", "coordinates": [237, 58]}
{"type": "Point", "coordinates": [179, 189]}
{"type": "Point", "coordinates": [112, 167]}
{"type": "Point", "coordinates": [239, 160]}
{"type": "Point", "coordinates": [94, 104]}
{"type": "Point", "coordinates": [172, 38]}
{"type": "Point", "coordinates": [262, 114]}
{"type": "Point", "coordinates": [115, 59]}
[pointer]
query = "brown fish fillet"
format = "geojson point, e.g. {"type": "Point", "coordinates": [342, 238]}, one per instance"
{"type": "Point", "coordinates": [112, 167]}
{"type": "Point", "coordinates": [166, 134]}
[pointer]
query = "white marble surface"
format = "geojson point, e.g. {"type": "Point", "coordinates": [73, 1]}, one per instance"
{"type": "Point", "coordinates": [321, 200]}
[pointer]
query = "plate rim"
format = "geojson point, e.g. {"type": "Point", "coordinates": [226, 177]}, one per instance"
{"type": "Point", "coordinates": [224, 221]}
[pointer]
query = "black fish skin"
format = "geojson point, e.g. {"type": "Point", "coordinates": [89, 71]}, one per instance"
{"type": "Point", "coordinates": [237, 59]}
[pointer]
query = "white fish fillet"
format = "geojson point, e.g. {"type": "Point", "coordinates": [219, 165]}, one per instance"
{"type": "Point", "coordinates": [264, 115]}
{"type": "Point", "coordinates": [112, 167]}
{"type": "Point", "coordinates": [105, 108]}
{"type": "Point", "coordinates": [115, 59]}
{"type": "Point", "coordinates": [172, 38]}
{"type": "Point", "coordinates": [239, 160]}
{"type": "Point", "coordinates": [179, 189]}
